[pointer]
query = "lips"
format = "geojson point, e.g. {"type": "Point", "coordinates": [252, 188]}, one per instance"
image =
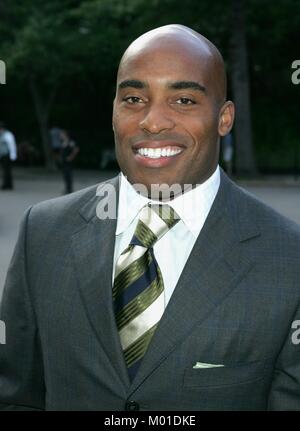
{"type": "Point", "coordinates": [157, 154]}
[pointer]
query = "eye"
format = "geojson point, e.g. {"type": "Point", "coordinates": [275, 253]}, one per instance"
{"type": "Point", "coordinates": [132, 100]}
{"type": "Point", "coordinates": [185, 101]}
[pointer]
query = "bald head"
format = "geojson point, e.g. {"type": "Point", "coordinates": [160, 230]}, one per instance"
{"type": "Point", "coordinates": [183, 41]}
{"type": "Point", "coordinates": [170, 108]}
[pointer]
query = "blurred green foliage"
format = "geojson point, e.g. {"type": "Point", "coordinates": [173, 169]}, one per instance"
{"type": "Point", "coordinates": [73, 47]}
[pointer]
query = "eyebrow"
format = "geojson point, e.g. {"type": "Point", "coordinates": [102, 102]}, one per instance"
{"type": "Point", "coordinates": [185, 85]}
{"type": "Point", "coordinates": [132, 83]}
{"type": "Point", "coordinates": [177, 85]}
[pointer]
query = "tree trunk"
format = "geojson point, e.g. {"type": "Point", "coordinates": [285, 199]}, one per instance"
{"type": "Point", "coordinates": [245, 162]}
{"type": "Point", "coordinates": [42, 110]}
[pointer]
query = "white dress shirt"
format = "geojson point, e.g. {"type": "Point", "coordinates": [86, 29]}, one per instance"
{"type": "Point", "coordinates": [192, 207]}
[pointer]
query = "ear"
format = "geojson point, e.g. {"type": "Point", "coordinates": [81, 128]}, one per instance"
{"type": "Point", "coordinates": [226, 118]}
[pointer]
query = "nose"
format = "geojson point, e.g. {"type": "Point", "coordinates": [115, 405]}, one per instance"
{"type": "Point", "coordinates": [156, 119]}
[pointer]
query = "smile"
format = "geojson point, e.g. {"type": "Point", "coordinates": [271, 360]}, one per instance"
{"type": "Point", "coordinates": [156, 153]}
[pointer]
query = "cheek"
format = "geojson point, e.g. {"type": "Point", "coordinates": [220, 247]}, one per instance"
{"type": "Point", "coordinates": [197, 129]}
{"type": "Point", "coordinates": [205, 140]}
{"type": "Point", "coordinates": [204, 129]}
{"type": "Point", "coordinates": [124, 126]}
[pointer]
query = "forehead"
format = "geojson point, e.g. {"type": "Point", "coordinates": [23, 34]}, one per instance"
{"type": "Point", "coordinates": [166, 60]}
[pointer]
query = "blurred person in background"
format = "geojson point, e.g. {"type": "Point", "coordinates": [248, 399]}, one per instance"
{"type": "Point", "coordinates": [8, 154]}
{"type": "Point", "coordinates": [227, 152]}
{"type": "Point", "coordinates": [55, 140]}
{"type": "Point", "coordinates": [66, 154]}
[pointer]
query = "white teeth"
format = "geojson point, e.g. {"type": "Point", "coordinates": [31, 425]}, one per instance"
{"type": "Point", "coordinates": [156, 153]}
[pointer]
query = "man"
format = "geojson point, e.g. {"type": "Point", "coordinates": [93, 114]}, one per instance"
{"type": "Point", "coordinates": [8, 153]}
{"type": "Point", "coordinates": [188, 302]}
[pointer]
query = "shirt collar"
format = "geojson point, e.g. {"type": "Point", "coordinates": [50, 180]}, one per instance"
{"type": "Point", "coordinates": [192, 206]}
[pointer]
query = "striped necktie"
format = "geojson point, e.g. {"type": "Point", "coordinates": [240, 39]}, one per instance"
{"type": "Point", "coordinates": [138, 291]}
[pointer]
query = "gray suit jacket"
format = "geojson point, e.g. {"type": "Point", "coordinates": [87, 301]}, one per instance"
{"type": "Point", "coordinates": [234, 305]}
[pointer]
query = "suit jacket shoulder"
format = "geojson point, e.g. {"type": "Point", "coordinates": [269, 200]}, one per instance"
{"type": "Point", "coordinates": [249, 213]}
{"type": "Point", "coordinates": [66, 214]}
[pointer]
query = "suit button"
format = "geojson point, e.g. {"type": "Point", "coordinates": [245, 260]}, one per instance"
{"type": "Point", "coordinates": [132, 405]}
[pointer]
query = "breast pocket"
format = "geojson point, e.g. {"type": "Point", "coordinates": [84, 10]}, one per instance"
{"type": "Point", "coordinates": [227, 375]}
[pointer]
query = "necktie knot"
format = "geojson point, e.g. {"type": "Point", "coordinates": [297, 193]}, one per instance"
{"type": "Point", "coordinates": [154, 221]}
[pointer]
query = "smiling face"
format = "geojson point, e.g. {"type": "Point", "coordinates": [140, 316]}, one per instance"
{"type": "Point", "coordinates": [169, 110]}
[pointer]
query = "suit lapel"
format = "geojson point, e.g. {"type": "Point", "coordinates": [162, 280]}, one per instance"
{"type": "Point", "coordinates": [213, 269]}
{"type": "Point", "coordinates": [93, 249]}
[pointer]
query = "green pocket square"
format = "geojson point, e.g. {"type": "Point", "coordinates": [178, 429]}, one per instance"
{"type": "Point", "coordinates": [204, 365]}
